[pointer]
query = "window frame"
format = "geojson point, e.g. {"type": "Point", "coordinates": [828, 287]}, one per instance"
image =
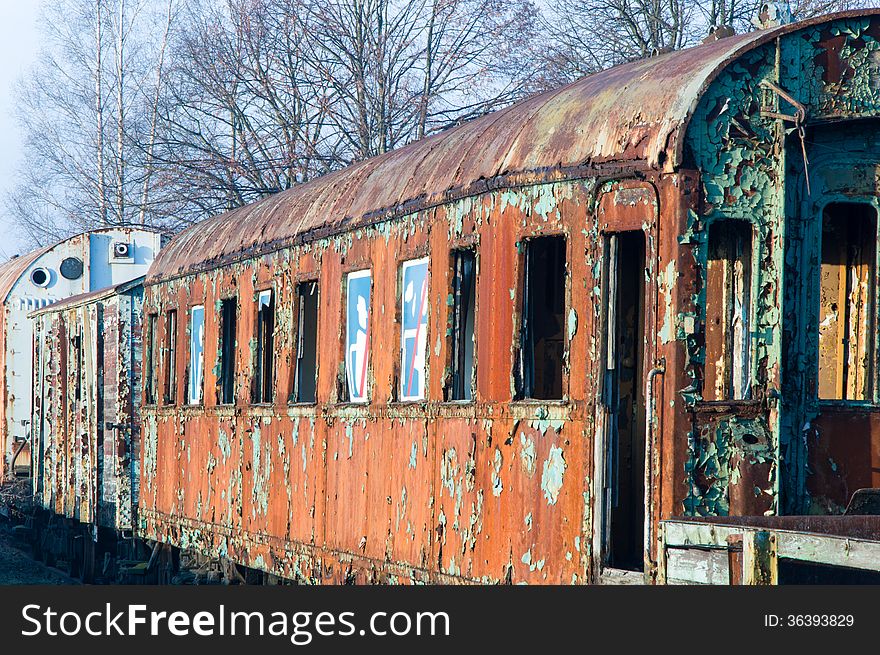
{"type": "Point", "coordinates": [258, 385]}
{"type": "Point", "coordinates": [170, 383]}
{"type": "Point", "coordinates": [223, 350]}
{"type": "Point", "coordinates": [348, 276]}
{"type": "Point", "coordinates": [298, 338]}
{"type": "Point", "coordinates": [747, 344]}
{"type": "Point", "coordinates": [200, 401]}
{"type": "Point", "coordinates": [402, 395]}
{"type": "Point", "coordinates": [872, 393]}
{"type": "Point", "coordinates": [520, 394]}
{"type": "Point", "coordinates": [151, 358]}
{"type": "Point", "coordinates": [452, 344]}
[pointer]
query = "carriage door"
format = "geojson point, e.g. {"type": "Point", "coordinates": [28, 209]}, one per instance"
{"type": "Point", "coordinates": [623, 470]}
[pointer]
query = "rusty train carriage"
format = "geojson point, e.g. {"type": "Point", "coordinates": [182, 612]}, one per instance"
{"type": "Point", "coordinates": [78, 264]}
{"type": "Point", "coordinates": [713, 353]}
{"type": "Point", "coordinates": [87, 381]}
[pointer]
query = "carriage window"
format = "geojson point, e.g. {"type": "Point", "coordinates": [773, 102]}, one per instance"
{"type": "Point", "coordinates": [728, 291]}
{"type": "Point", "coordinates": [171, 345]}
{"type": "Point", "coordinates": [307, 343]}
{"type": "Point", "coordinates": [227, 351]}
{"type": "Point", "coordinates": [151, 359]}
{"type": "Point", "coordinates": [414, 328]}
{"type": "Point", "coordinates": [542, 345]}
{"type": "Point", "coordinates": [265, 354]}
{"type": "Point", "coordinates": [357, 331]}
{"type": "Point", "coordinates": [846, 301]}
{"type": "Point", "coordinates": [462, 323]}
{"type": "Point", "coordinates": [196, 354]}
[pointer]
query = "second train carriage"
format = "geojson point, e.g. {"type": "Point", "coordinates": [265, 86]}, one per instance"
{"type": "Point", "coordinates": [86, 430]}
{"type": "Point", "coordinates": [79, 264]}
{"type": "Point", "coordinates": [504, 353]}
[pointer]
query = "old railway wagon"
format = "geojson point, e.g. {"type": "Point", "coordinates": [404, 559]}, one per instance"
{"type": "Point", "coordinates": [86, 436]}
{"type": "Point", "coordinates": [76, 265]}
{"type": "Point", "coordinates": [505, 352]}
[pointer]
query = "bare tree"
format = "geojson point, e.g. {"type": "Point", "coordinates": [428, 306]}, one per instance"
{"type": "Point", "coordinates": [84, 110]}
{"type": "Point", "coordinates": [231, 100]}
{"type": "Point", "coordinates": [266, 94]}
{"type": "Point", "coordinates": [154, 101]}
{"type": "Point", "coordinates": [401, 69]}
{"type": "Point", "coordinates": [244, 114]}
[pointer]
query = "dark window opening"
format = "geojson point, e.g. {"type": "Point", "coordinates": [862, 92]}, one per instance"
{"type": "Point", "coordinates": [846, 301]}
{"type": "Point", "coordinates": [171, 346]}
{"type": "Point", "coordinates": [462, 324]}
{"type": "Point", "coordinates": [305, 385]}
{"type": "Point", "coordinates": [265, 354]}
{"type": "Point", "coordinates": [78, 365]}
{"type": "Point", "coordinates": [152, 367]}
{"type": "Point", "coordinates": [542, 341]}
{"type": "Point", "coordinates": [227, 351]}
{"type": "Point", "coordinates": [727, 370]}
{"type": "Point", "coordinates": [623, 394]}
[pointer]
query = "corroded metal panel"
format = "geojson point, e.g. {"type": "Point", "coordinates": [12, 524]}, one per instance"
{"type": "Point", "coordinates": [84, 385]}
{"type": "Point", "coordinates": [74, 266]}
{"type": "Point", "coordinates": [767, 451]}
{"type": "Point", "coordinates": [387, 491]}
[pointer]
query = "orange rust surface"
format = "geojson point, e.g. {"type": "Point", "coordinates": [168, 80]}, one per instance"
{"type": "Point", "coordinates": [844, 456]}
{"type": "Point", "coordinates": [409, 490]}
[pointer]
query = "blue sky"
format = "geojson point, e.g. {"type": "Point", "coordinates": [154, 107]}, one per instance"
{"type": "Point", "coordinates": [18, 49]}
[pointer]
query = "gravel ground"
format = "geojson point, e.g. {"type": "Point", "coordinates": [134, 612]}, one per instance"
{"type": "Point", "coordinates": [17, 566]}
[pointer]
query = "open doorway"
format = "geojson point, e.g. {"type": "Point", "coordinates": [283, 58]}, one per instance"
{"type": "Point", "coordinates": [623, 499]}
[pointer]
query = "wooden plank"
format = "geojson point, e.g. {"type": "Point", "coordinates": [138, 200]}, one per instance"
{"type": "Point", "coordinates": [683, 533]}
{"type": "Point", "coordinates": [696, 566]}
{"type": "Point", "coordinates": [830, 550]}
{"type": "Point", "coordinates": [611, 576]}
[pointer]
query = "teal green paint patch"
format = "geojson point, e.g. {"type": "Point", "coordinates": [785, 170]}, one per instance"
{"type": "Point", "coordinates": [413, 455]}
{"type": "Point", "coordinates": [553, 475]}
{"type": "Point", "coordinates": [572, 323]}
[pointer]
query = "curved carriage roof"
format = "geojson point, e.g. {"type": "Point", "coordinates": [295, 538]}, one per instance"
{"type": "Point", "coordinates": [12, 270]}
{"type": "Point", "coordinates": [635, 113]}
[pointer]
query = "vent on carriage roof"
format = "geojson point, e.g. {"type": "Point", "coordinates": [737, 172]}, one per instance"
{"type": "Point", "coordinates": [773, 14]}
{"type": "Point", "coordinates": [719, 32]}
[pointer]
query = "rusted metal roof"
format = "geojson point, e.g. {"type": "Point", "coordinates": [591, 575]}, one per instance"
{"type": "Point", "coordinates": [85, 298]}
{"type": "Point", "coordinates": [12, 270]}
{"type": "Point", "coordinates": [635, 114]}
